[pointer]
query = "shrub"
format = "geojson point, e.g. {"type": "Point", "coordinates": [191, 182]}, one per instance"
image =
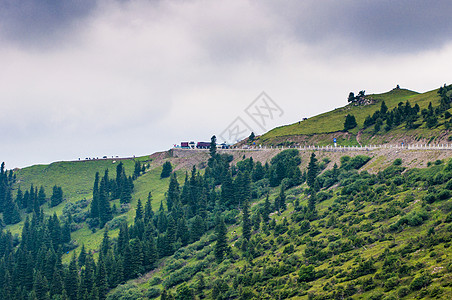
{"type": "Point", "coordinates": [430, 198]}
{"type": "Point", "coordinates": [420, 282]}
{"type": "Point", "coordinates": [444, 194]}
{"type": "Point", "coordinates": [356, 162]}
{"type": "Point", "coordinates": [155, 280]}
{"type": "Point", "coordinates": [153, 292]}
{"type": "Point", "coordinates": [306, 273]}
{"type": "Point", "coordinates": [397, 162]}
{"type": "Point", "coordinates": [403, 291]}
{"type": "Point", "coordinates": [449, 185]}
{"type": "Point", "coordinates": [125, 292]}
{"type": "Point", "coordinates": [116, 222]}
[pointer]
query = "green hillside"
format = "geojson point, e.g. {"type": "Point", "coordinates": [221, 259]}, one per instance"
{"type": "Point", "coordinates": [267, 224]}
{"type": "Point", "coordinates": [371, 236]}
{"type": "Point", "coordinates": [321, 129]}
{"type": "Point", "coordinates": [76, 179]}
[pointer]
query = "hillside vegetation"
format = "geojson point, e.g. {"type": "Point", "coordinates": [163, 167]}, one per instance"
{"type": "Point", "coordinates": [321, 129]}
{"type": "Point", "coordinates": [236, 224]}
{"type": "Point", "coordinates": [350, 234]}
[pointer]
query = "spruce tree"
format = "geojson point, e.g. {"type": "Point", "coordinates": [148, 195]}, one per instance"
{"type": "Point", "coordinates": [197, 228]}
{"type": "Point", "coordinates": [40, 285]}
{"type": "Point", "coordinates": [137, 170]}
{"type": "Point", "coordinates": [139, 211]}
{"type": "Point", "coordinates": [213, 146]}
{"type": "Point", "coordinates": [313, 170]}
{"type": "Point", "coordinates": [57, 196]}
{"type": "Point", "coordinates": [227, 191]}
{"type": "Point", "coordinates": [95, 203]}
{"type": "Point", "coordinates": [20, 198]}
{"type": "Point", "coordinates": [41, 196]}
{"type": "Point", "coordinates": [11, 213]}
{"type": "Point", "coordinates": [101, 280]}
{"type": "Point", "coordinates": [136, 249]}
{"type": "Point", "coordinates": [167, 168]}
{"type": "Point", "coordinates": [182, 231]}
{"type": "Point", "coordinates": [350, 122]}
{"type": "Point", "coordinates": [171, 234]}
{"type": "Point", "coordinates": [82, 256]}
{"type": "Point", "coordinates": [221, 247]}
{"type": "Point", "coordinates": [282, 199]}
{"type": "Point", "coordinates": [105, 213]}
{"type": "Point", "coordinates": [72, 279]}
{"type": "Point", "coordinates": [148, 213]}
{"type": "Point", "coordinates": [246, 222]}
{"type": "Point", "coordinates": [383, 109]}
{"type": "Point", "coordinates": [267, 210]}
{"type": "Point", "coordinates": [123, 239]}
{"type": "Point", "coordinates": [173, 194]}
{"type": "Point", "coordinates": [105, 245]}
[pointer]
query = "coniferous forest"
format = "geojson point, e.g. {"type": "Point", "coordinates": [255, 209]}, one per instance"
{"type": "Point", "coordinates": [242, 231]}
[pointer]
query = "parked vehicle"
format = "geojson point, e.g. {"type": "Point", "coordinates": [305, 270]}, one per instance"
{"type": "Point", "coordinates": [203, 145]}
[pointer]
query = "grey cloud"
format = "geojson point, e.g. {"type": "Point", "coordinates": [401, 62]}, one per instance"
{"type": "Point", "coordinates": [385, 26]}
{"type": "Point", "coordinates": [37, 22]}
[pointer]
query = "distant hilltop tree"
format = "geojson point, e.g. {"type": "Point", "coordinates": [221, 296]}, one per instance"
{"type": "Point", "coordinates": [351, 97]}
{"type": "Point", "coordinates": [252, 136]}
{"type": "Point", "coordinates": [359, 99]}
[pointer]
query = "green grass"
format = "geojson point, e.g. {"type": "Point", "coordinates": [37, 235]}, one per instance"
{"type": "Point", "coordinates": [346, 261]}
{"type": "Point", "coordinates": [76, 178]}
{"type": "Point", "coordinates": [333, 121]}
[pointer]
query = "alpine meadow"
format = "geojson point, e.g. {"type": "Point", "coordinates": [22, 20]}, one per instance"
{"type": "Point", "coordinates": [370, 218]}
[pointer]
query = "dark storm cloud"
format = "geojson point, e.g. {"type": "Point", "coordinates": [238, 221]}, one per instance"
{"type": "Point", "coordinates": [33, 22]}
{"type": "Point", "coordinates": [377, 26]}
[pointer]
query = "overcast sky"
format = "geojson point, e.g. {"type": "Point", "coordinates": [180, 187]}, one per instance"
{"type": "Point", "coordinates": [91, 78]}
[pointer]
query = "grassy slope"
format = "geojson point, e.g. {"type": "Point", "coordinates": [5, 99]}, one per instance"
{"type": "Point", "coordinates": [77, 178]}
{"type": "Point", "coordinates": [191, 255]}
{"type": "Point", "coordinates": [333, 121]}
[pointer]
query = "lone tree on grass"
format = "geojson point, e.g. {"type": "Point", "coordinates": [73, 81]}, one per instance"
{"type": "Point", "coordinates": [350, 122]}
{"type": "Point", "coordinates": [167, 169]}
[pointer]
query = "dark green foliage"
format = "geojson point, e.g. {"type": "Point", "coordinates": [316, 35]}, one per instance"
{"type": "Point", "coordinates": [420, 282]}
{"type": "Point", "coordinates": [213, 146]}
{"type": "Point", "coordinates": [137, 170]}
{"type": "Point", "coordinates": [280, 201]}
{"type": "Point", "coordinates": [285, 165]}
{"type": "Point", "coordinates": [11, 213]}
{"type": "Point", "coordinates": [57, 196]}
{"type": "Point", "coordinates": [333, 227]}
{"type": "Point", "coordinates": [166, 170]}
{"type": "Point", "coordinates": [246, 222]}
{"type": "Point", "coordinates": [221, 246]}
{"type": "Point", "coordinates": [173, 194]}
{"type": "Point", "coordinates": [355, 162]}
{"type": "Point", "coordinates": [351, 97]}
{"type": "Point", "coordinates": [139, 211]}
{"type": "Point", "coordinates": [313, 170]}
{"type": "Point", "coordinates": [95, 202]}
{"type": "Point", "coordinates": [266, 210]}
{"type": "Point", "coordinates": [105, 213]}
{"type": "Point", "coordinates": [350, 122]}
{"type": "Point", "coordinates": [306, 273]}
